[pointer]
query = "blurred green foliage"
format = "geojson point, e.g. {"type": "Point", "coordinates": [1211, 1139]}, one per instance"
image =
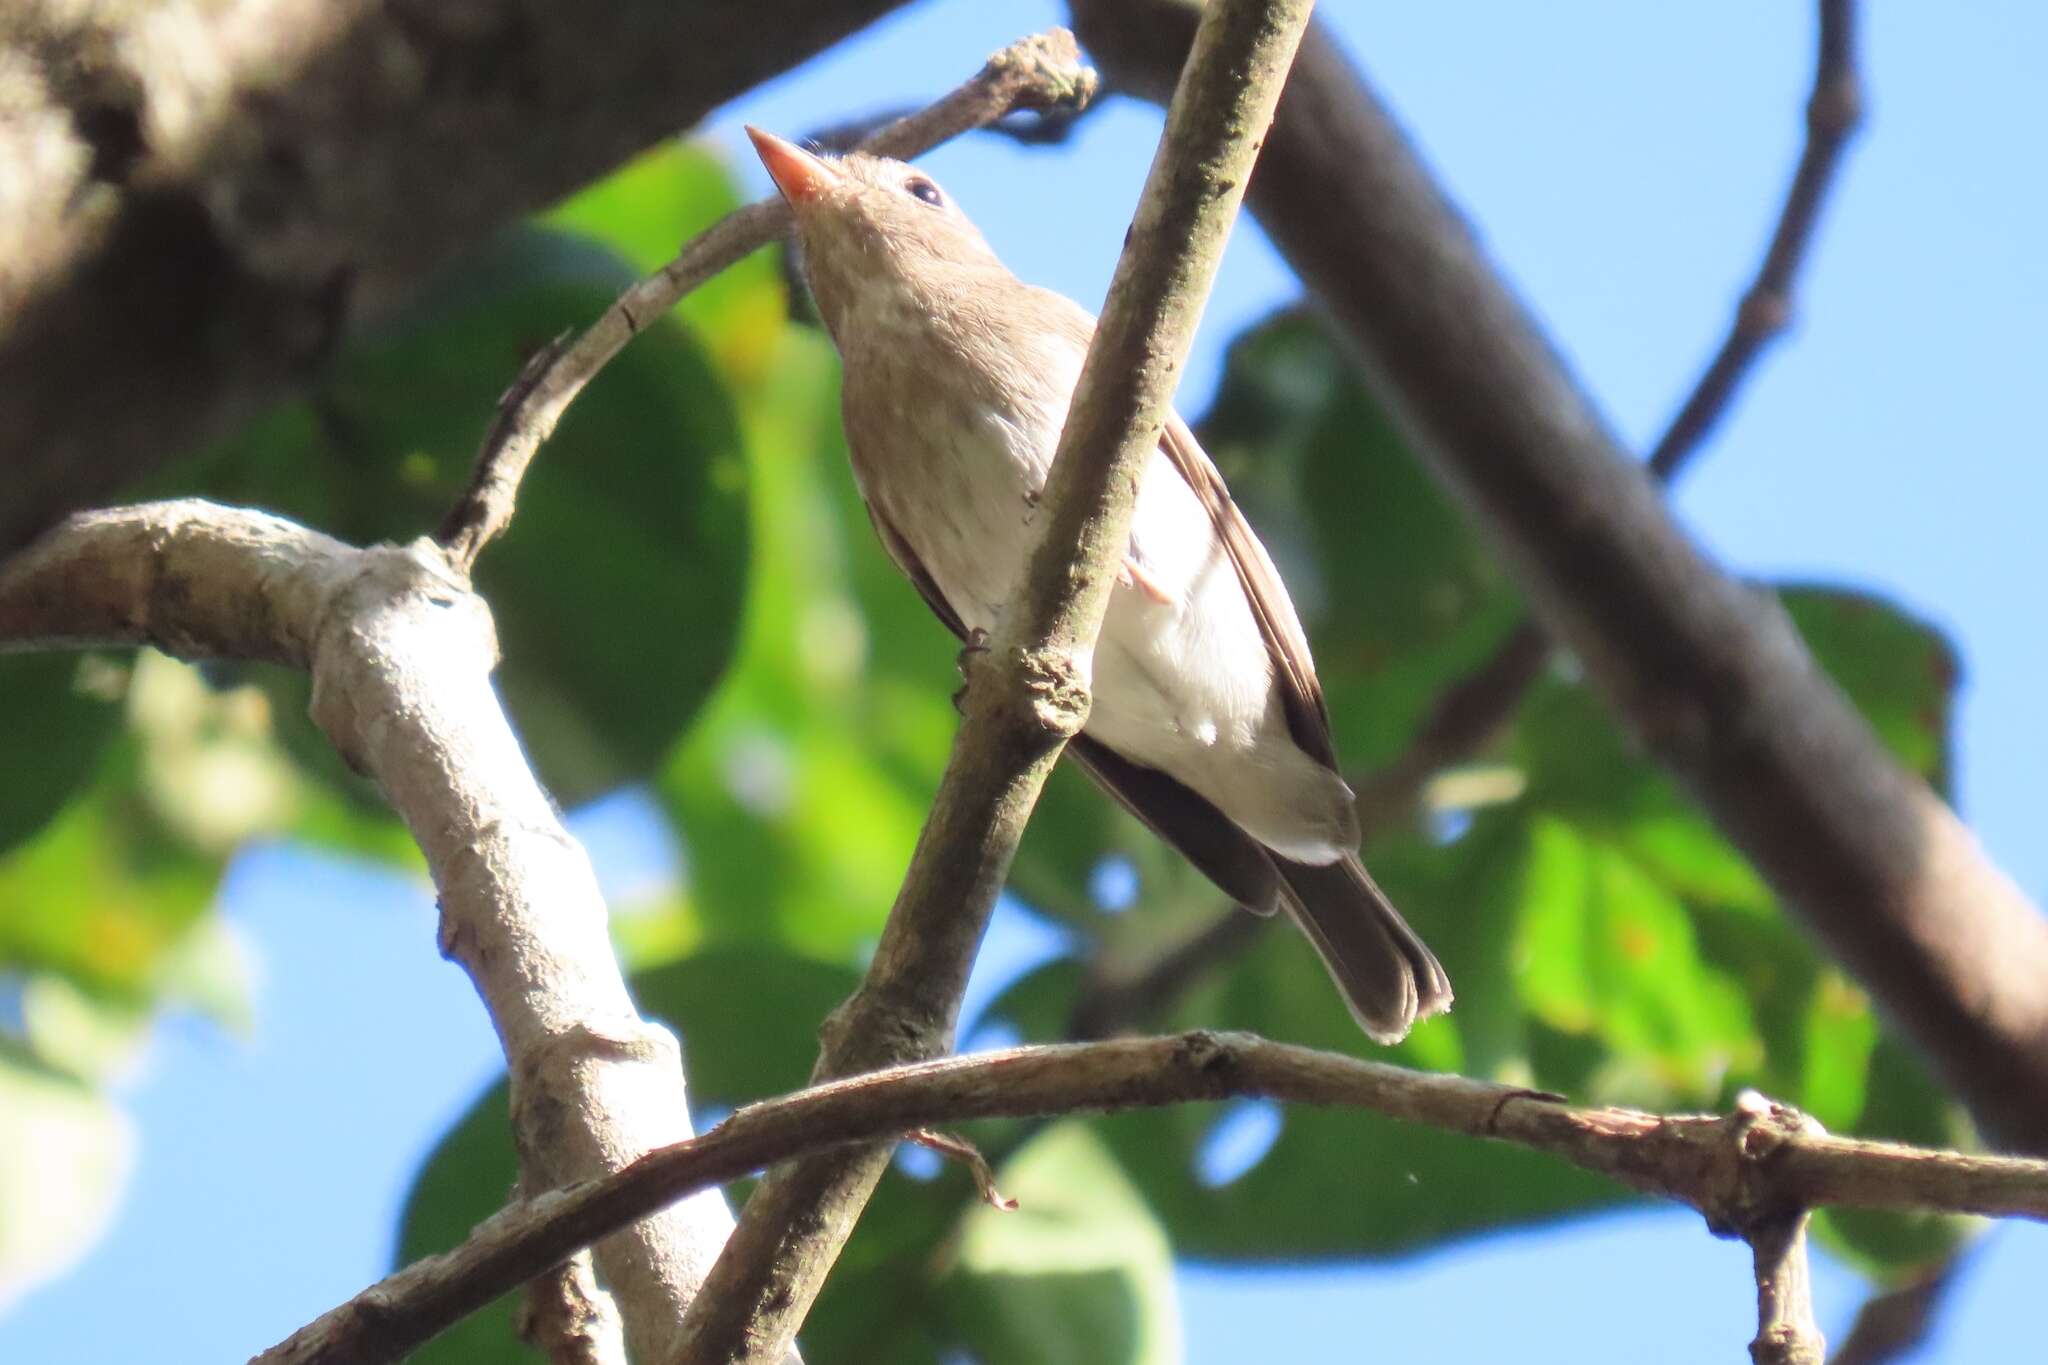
{"type": "Point", "coordinates": [691, 597]}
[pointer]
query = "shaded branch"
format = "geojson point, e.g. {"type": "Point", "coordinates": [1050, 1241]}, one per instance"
{"type": "Point", "coordinates": [400, 653]}
{"type": "Point", "coordinates": [1747, 1173]}
{"type": "Point", "coordinates": [1893, 1324]}
{"type": "Point", "coordinates": [1026, 694]}
{"type": "Point", "coordinates": [1042, 72]}
{"type": "Point", "coordinates": [1710, 678]}
{"type": "Point", "coordinates": [212, 195]}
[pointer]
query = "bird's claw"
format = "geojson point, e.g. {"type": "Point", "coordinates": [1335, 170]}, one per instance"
{"type": "Point", "coordinates": [975, 645]}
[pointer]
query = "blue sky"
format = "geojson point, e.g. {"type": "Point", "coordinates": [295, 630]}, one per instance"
{"type": "Point", "coordinates": [1623, 163]}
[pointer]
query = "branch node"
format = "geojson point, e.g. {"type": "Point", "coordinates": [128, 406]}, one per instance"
{"type": "Point", "coordinates": [1053, 688]}
{"type": "Point", "coordinates": [1737, 1195]}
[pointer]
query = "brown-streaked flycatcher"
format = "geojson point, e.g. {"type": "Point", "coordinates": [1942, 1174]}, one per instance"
{"type": "Point", "coordinates": [1208, 722]}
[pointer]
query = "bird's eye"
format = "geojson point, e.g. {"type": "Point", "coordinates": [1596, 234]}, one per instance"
{"type": "Point", "coordinates": [917, 187]}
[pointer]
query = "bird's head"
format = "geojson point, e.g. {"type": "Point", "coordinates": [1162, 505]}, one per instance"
{"type": "Point", "coordinates": [873, 228]}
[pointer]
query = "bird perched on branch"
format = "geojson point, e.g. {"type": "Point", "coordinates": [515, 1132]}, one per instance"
{"type": "Point", "coordinates": [1208, 722]}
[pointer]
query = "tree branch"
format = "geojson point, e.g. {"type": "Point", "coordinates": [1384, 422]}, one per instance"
{"type": "Point", "coordinates": [212, 194]}
{"type": "Point", "coordinates": [1894, 1323]}
{"type": "Point", "coordinates": [1475, 708]}
{"type": "Point", "coordinates": [1786, 1332]}
{"type": "Point", "coordinates": [1832, 113]}
{"type": "Point", "coordinates": [1027, 693]}
{"type": "Point", "coordinates": [401, 653]}
{"type": "Point", "coordinates": [1748, 1173]}
{"type": "Point", "coordinates": [1042, 72]}
{"type": "Point", "coordinates": [1711, 679]}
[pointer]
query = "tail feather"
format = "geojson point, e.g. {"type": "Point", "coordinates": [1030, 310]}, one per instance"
{"type": "Point", "coordinates": [1387, 975]}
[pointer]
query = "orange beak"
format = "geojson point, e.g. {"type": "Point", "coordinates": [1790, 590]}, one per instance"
{"type": "Point", "coordinates": [800, 176]}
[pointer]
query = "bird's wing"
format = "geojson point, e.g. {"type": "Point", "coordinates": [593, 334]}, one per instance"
{"type": "Point", "coordinates": [1236, 862]}
{"type": "Point", "coordinates": [1301, 693]}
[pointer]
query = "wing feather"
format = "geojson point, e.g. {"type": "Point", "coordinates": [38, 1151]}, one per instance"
{"type": "Point", "coordinates": [1238, 864]}
{"type": "Point", "coordinates": [1301, 692]}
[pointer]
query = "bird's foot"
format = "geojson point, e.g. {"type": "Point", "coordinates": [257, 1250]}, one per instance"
{"type": "Point", "coordinates": [977, 644]}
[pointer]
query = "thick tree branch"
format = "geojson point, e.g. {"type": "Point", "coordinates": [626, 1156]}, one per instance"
{"type": "Point", "coordinates": [206, 194]}
{"type": "Point", "coordinates": [1027, 693]}
{"type": "Point", "coordinates": [1710, 677]}
{"type": "Point", "coordinates": [401, 653]}
{"type": "Point", "coordinates": [1748, 1173]}
{"type": "Point", "coordinates": [1042, 72]}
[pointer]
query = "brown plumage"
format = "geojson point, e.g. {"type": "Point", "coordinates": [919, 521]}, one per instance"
{"type": "Point", "coordinates": [1208, 721]}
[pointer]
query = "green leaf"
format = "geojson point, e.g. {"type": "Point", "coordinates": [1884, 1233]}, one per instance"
{"type": "Point", "coordinates": [1902, 1103]}
{"type": "Point", "coordinates": [817, 758]}
{"type": "Point", "coordinates": [469, 1176]}
{"type": "Point", "coordinates": [104, 897]}
{"type": "Point", "coordinates": [618, 587]}
{"type": "Point", "coordinates": [1610, 950]}
{"type": "Point", "coordinates": [1079, 1272]}
{"type": "Point", "coordinates": [62, 709]}
{"type": "Point", "coordinates": [649, 208]}
{"type": "Point", "coordinates": [734, 1051]}
{"type": "Point", "coordinates": [1900, 672]}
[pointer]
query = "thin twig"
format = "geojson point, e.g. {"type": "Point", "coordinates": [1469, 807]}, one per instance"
{"type": "Point", "coordinates": [1027, 692]}
{"type": "Point", "coordinates": [1043, 72]}
{"type": "Point", "coordinates": [1741, 1172]}
{"type": "Point", "coordinates": [1832, 113]}
{"type": "Point", "coordinates": [956, 1148]}
{"type": "Point", "coordinates": [1786, 1330]}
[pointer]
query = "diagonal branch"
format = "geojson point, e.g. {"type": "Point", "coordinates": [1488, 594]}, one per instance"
{"type": "Point", "coordinates": [1711, 679]}
{"type": "Point", "coordinates": [400, 654]}
{"type": "Point", "coordinates": [1750, 1173]}
{"type": "Point", "coordinates": [1042, 72]}
{"type": "Point", "coordinates": [1027, 693]}
{"type": "Point", "coordinates": [1473, 709]}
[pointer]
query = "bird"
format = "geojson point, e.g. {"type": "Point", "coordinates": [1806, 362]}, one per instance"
{"type": "Point", "coordinates": [1207, 722]}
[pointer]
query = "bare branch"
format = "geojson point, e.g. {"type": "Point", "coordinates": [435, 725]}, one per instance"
{"type": "Point", "coordinates": [1043, 72]}
{"type": "Point", "coordinates": [1026, 694]}
{"type": "Point", "coordinates": [1786, 1332]}
{"type": "Point", "coordinates": [401, 653]}
{"type": "Point", "coordinates": [1744, 1172]}
{"type": "Point", "coordinates": [1710, 678]}
{"type": "Point", "coordinates": [955, 1148]}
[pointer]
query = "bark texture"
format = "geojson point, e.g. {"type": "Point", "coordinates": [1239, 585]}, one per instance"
{"type": "Point", "coordinates": [197, 197]}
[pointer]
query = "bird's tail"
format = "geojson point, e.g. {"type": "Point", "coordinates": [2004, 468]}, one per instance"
{"type": "Point", "coordinates": [1387, 975]}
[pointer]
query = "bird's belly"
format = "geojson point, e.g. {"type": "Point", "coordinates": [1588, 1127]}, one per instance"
{"type": "Point", "coordinates": [961, 491]}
